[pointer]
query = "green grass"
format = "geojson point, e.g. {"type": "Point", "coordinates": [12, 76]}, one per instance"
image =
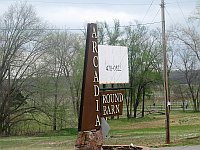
{"type": "Point", "coordinates": [150, 131]}
{"type": "Point", "coordinates": [147, 131]}
{"type": "Point", "coordinates": [58, 140]}
{"type": "Point", "coordinates": [24, 143]}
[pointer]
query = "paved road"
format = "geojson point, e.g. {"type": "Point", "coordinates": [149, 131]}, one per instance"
{"type": "Point", "coordinates": [197, 147]}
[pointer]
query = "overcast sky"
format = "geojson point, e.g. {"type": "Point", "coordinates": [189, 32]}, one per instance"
{"type": "Point", "coordinates": [76, 13]}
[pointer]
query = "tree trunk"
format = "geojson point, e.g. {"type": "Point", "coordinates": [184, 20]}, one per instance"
{"type": "Point", "coordinates": [1, 125]}
{"type": "Point", "coordinates": [183, 101]}
{"type": "Point", "coordinates": [195, 105]}
{"type": "Point", "coordinates": [132, 102]}
{"type": "Point", "coordinates": [137, 100]}
{"type": "Point", "coordinates": [135, 110]}
{"type": "Point", "coordinates": [127, 106]}
{"type": "Point", "coordinates": [136, 106]}
{"type": "Point", "coordinates": [55, 113]}
{"type": "Point", "coordinates": [143, 98]}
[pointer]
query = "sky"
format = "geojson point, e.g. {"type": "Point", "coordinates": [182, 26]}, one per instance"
{"type": "Point", "coordinates": [75, 14]}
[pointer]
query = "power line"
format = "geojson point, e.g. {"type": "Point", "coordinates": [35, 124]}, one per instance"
{"type": "Point", "coordinates": [80, 29]}
{"type": "Point", "coordinates": [148, 10]}
{"type": "Point", "coordinates": [189, 1]}
{"type": "Point", "coordinates": [169, 16]}
{"type": "Point", "coordinates": [101, 3]}
{"type": "Point", "coordinates": [47, 29]}
{"type": "Point", "coordinates": [82, 3]}
{"type": "Point", "coordinates": [94, 3]}
{"type": "Point", "coordinates": [182, 12]}
{"type": "Point", "coordinates": [156, 15]}
{"type": "Point", "coordinates": [143, 24]}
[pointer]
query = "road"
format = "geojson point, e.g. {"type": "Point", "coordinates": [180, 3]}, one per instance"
{"type": "Point", "coordinates": [196, 147]}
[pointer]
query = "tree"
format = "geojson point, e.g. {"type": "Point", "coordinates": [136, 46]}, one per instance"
{"type": "Point", "coordinates": [113, 34]}
{"type": "Point", "coordinates": [189, 57]}
{"type": "Point", "coordinates": [144, 58]}
{"type": "Point", "coordinates": [64, 64]}
{"type": "Point", "coordinates": [144, 52]}
{"type": "Point", "coordinates": [180, 92]}
{"type": "Point", "coordinates": [101, 32]}
{"type": "Point", "coordinates": [21, 36]}
{"type": "Point", "coordinates": [73, 57]}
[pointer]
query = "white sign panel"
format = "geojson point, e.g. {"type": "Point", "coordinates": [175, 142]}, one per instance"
{"type": "Point", "coordinates": [113, 64]}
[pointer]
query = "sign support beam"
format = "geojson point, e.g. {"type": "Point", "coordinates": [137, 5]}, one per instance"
{"type": "Point", "coordinates": [90, 99]}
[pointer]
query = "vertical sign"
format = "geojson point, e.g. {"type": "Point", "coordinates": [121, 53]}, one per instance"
{"type": "Point", "coordinates": [89, 117]}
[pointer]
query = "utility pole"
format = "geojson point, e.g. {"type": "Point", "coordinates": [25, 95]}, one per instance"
{"type": "Point", "coordinates": [165, 74]}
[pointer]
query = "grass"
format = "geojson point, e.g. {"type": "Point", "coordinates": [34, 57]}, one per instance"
{"type": "Point", "coordinates": [58, 140]}
{"type": "Point", "coordinates": [147, 131]}
{"type": "Point", "coordinates": [24, 143]}
{"type": "Point", "coordinates": [150, 131]}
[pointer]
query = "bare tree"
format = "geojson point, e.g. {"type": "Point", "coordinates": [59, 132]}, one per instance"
{"type": "Point", "coordinates": [64, 62]}
{"type": "Point", "coordinates": [73, 67]}
{"type": "Point", "coordinates": [189, 56]}
{"type": "Point", "coordinates": [20, 38]}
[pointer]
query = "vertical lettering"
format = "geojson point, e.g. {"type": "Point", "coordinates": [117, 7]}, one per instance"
{"type": "Point", "coordinates": [91, 89]}
{"type": "Point", "coordinates": [96, 78]}
{"type": "Point", "coordinates": [98, 123]}
{"type": "Point", "coordinates": [97, 106]}
{"type": "Point", "coordinates": [94, 47]}
{"type": "Point", "coordinates": [95, 61]}
{"type": "Point", "coordinates": [96, 90]}
{"type": "Point", "coordinates": [94, 33]}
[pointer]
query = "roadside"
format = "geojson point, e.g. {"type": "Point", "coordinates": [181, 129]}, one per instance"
{"type": "Point", "coordinates": [196, 147]}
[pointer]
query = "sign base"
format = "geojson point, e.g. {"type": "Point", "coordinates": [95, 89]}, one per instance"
{"type": "Point", "coordinates": [89, 140]}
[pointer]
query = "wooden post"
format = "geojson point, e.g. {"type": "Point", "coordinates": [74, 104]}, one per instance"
{"type": "Point", "coordinates": [165, 74]}
{"type": "Point", "coordinates": [89, 126]}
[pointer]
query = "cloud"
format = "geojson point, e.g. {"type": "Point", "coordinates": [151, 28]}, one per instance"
{"type": "Point", "coordinates": [105, 15]}
{"type": "Point", "coordinates": [73, 15]}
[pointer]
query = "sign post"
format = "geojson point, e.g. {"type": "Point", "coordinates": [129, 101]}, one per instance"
{"type": "Point", "coordinates": [111, 67]}
{"type": "Point", "coordinates": [90, 100]}
{"type": "Point", "coordinates": [90, 135]}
